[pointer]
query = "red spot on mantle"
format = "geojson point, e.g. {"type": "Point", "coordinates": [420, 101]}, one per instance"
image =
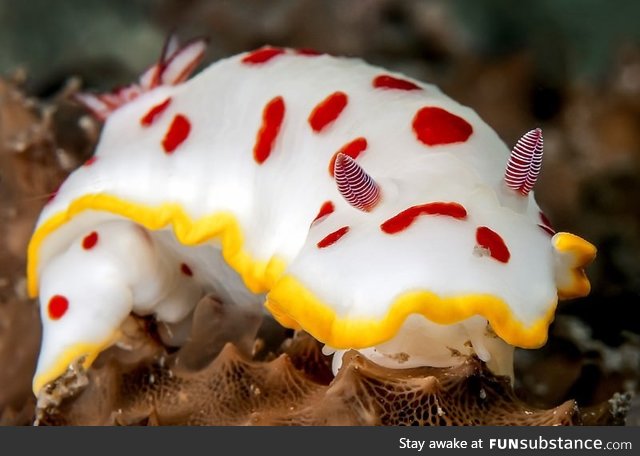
{"type": "Point", "coordinates": [389, 82]}
{"type": "Point", "coordinates": [404, 219]}
{"type": "Point", "coordinates": [332, 238]}
{"type": "Point", "coordinates": [490, 240]}
{"type": "Point", "coordinates": [327, 111]}
{"type": "Point", "coordinates": [90, 240]}
{"type": "Point", "coordinates": [176, 134]}
{"type": "Point", "coordinates": [352, 149]}
{"type": "Point", "coordinates": [91, 161]}
{"type": "Point", "coordinates": [326, 209]}
{"type": "Point", "coordinates": [272, 116]}
{"type": "Point", "coordinates": [308, 52]}
{"type": "Point", "coordinates": [186, 270]}
{"type": "Point", "coordinates": [153, 113]}
{"type": "Point", "coordinates": [57, 307]}
{"type": "Point", "coordinates": [261, 55]}
{"type": "Point", "coordinates": [434, 126]}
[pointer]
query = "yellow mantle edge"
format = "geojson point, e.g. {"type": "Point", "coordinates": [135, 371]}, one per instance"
{"type": "Point", "coordinates": [583, 253]}
{"type": "Point", "coordinates": [259, 276]}
{"type": "Point", "coordinates": [293, 305]}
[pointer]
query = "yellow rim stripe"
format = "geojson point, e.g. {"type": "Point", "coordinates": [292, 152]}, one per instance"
{"type": "Point", "coordinates": [293, 305]}
{"type": "Point", "coordinates": [259, 276]}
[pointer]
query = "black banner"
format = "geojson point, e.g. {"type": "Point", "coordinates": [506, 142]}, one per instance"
{"type": "Point", "coordinates": [325, 441]}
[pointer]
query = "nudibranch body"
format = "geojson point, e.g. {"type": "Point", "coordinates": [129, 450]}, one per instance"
{"type": "Point", "coordinates": [362, 206]}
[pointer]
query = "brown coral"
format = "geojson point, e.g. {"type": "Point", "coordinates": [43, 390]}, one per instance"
{"type": "Point", "coordinates": [289, 390]}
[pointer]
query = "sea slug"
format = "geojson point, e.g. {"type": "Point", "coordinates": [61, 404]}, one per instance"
{"type": "Point", "coordinates": [365, 207]}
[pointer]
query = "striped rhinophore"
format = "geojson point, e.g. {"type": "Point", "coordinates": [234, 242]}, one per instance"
{"type": "Point", "coordinates": [355, 185]}
{"type": "Point", "coordinates": [525, 162]}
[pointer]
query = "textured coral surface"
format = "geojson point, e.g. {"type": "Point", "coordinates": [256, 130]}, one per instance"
{"type": "Point", "coordinates": [292, 389]}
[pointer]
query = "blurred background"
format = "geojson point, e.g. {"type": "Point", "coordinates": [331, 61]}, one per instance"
{"type": "Point", "coordinates": [571, 67]}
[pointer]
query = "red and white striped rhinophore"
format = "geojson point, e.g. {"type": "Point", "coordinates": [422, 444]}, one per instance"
{"type": "Point", "coordinates": [357, 187]}
{"type": "Point", "coordinates": [525, 162]}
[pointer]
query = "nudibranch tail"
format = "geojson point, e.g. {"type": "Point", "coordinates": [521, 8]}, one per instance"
{"type": "Point", "coordinates": [88, 290]}
{"type": "Point", "coordinates": [525, 162]}
{"type": "Point", "coordinates": [355, 185]}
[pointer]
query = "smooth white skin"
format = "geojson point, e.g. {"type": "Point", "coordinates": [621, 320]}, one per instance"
{"type": "Point", "coordinates": [274, 203]}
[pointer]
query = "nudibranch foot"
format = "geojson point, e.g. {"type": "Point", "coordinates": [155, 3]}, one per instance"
{"type": "Point", "coordinates": [420, 342]}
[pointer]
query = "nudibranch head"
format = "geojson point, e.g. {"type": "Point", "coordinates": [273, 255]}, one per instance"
{"type": "Point", "coordinates": [372, 210]}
